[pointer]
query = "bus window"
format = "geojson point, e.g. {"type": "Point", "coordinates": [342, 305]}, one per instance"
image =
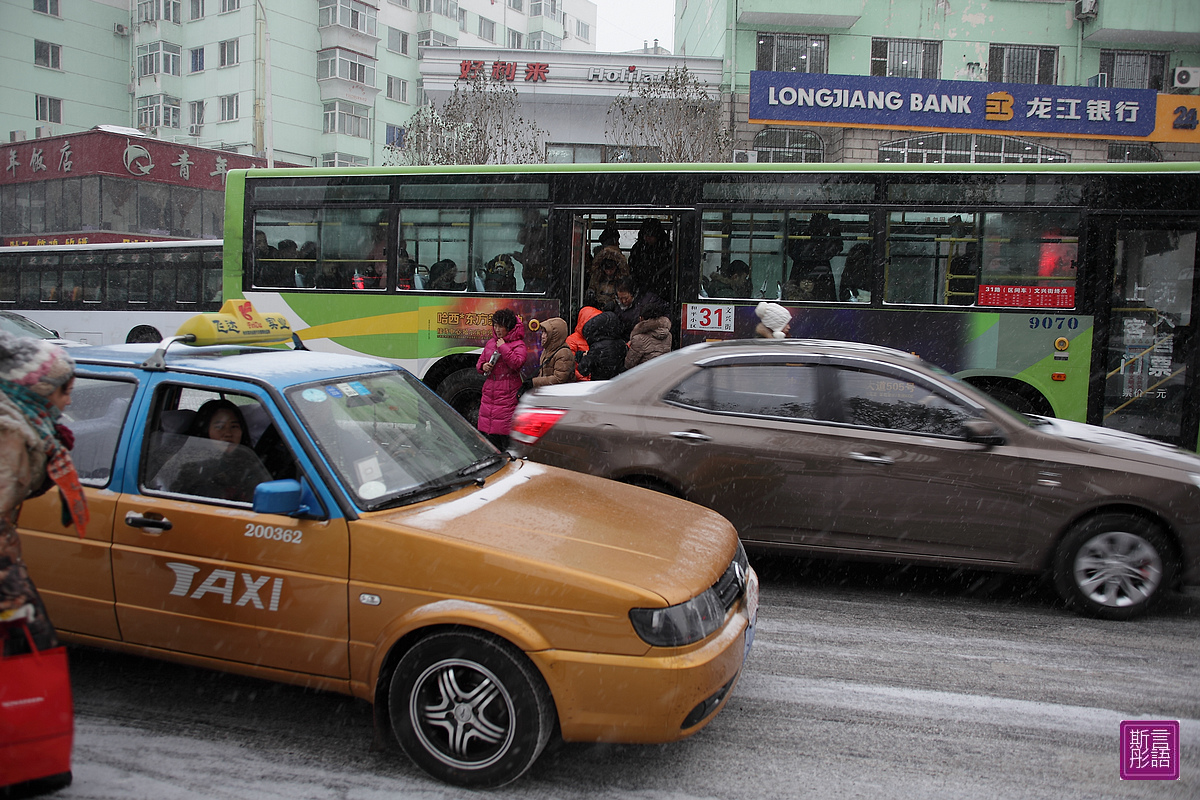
{"type": "Point", "coordinates": [1010, 258]}
{"type": "Point", "coordinates": [792, 255]}
{"type": "Point", "coordinates": [331, 248]}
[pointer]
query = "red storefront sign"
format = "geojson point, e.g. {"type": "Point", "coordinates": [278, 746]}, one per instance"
{"type": "Point", "coordinates": [99, 152]}
{"type": "Point", "coordinates": [1027, 296]}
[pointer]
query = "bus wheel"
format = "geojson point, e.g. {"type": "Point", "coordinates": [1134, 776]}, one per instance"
{"type": "Point", "coordinates": [1114, 566]}
{"type": "Point", "coordinates": [463, 390]}
{"type": "Point", "coordinates": [144, 334]}
{"type": "Point", "coordinates": [1020, 402]}
{"type": "Point", "coordinates": [469, 710]}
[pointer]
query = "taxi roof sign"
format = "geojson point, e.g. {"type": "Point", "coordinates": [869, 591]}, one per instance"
{"type": "Point", "coordinates": [236, 323]}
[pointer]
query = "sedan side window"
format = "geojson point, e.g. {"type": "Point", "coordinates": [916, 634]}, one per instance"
{"type": "Point", "coordinates": [96, 416]}
{"type": "Point", "coordinates": [877, 400]}
{"type": "Point", "coordinates": [769, 390]}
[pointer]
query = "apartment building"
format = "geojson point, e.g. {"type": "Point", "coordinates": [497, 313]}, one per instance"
{"type": "Point", "coordinates": [320, 82]}
{"type": "Point", "coordinates": [1037, 80]}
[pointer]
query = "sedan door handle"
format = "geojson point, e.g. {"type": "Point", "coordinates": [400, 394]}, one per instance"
{"type": "Point", "coordinates": [691, 436]}
{"type": "Point", "coordinates": [868, 459]}
{"type": "Point", "coordinates": [156, 523]}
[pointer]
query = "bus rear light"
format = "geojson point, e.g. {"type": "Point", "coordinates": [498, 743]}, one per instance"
{"type": "Point", "coordinates": [531, 424]}
{"type": "Point", "coordinates": [1058, 376]}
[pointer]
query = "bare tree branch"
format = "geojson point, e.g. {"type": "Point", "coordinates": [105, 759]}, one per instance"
{"type": "Point", "coordinates": [480, 123]}
{"type": "Point", "coordinates": [675, 117]}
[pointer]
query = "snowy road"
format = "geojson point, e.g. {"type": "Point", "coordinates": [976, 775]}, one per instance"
{"type": "Point", "coordinates": [863, 683]}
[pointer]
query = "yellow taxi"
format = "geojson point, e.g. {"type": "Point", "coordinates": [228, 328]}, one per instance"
{"type": "Point", "coordinates": [328, 521]}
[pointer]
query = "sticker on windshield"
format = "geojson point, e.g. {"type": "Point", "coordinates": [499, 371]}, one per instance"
{"type": "Point", "coordinates": [333, 391]}
{"type": "Point", "coordinates": [360, 387]}
{"type": "Point", "coordinates": [368, 470]}
{"type": "Point", "coordinates": [372, 489]}
{"type": "Point", "coordinates": [314, 396]}
{"type": "Point", "coordinates": [347, 390]}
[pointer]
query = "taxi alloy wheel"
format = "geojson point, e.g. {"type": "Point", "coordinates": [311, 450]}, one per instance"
{"type": "Point", "coordinates": [469, 710]}
{"type": "Point", "coordinates": [1114, 566]}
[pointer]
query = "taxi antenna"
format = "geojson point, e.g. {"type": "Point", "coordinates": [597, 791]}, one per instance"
{"type": "Point", "coordinates": [297, 343]}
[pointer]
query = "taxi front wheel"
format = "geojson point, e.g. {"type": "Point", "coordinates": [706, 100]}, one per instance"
{"type": "Point", "coordinates": [469, 709]}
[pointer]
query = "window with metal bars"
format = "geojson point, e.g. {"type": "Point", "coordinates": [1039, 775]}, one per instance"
{"type": "Point", "coordinates": [906, 58]}
{"type": "Point", "coordinates": [792, 53]}
{"type": "Point", "coordinates": [1015, 63]}
{"type": "Point", "coordinates": [1134, 69]}
{"type": "Point", "coordinates": [968, 148]}
{"type": "Point", "coordinates": [782, 145]}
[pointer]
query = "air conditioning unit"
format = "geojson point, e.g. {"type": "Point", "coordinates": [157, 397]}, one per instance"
{"type": "Point", "coordinates": [1086, 9]}
{"type": "Point", "coordinates": [17, 136]}
{"type": "Point", "coordinates": [745, 156]}
{"type": "Point", "coordinates": [42, 131]}
{"type": "Point", "coordinates": [120, 29]}
{"type": "Point", "coordinates": [1187, 77]}
{"type": "Point", "coordinates": [194, 130]}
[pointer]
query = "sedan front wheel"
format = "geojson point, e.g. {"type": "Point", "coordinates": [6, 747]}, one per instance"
{"type": "Point", "coordinates": [1114, 566]}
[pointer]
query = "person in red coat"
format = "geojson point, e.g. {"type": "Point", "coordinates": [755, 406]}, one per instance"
{"type": "Point", "coordinates": [501, 362]}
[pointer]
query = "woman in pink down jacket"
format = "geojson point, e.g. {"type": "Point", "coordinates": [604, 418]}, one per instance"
{"type": "Point", "coordinates": [501, 362]}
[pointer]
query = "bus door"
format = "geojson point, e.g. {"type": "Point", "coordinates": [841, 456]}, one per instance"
{"type": "Point", "coordinates": [1149, 353]}
{"type": "Point", "coordinates": [648, 243]}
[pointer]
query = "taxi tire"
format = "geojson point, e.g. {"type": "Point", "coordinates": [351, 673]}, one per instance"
{"type": "Point", "coordinates": [1104, 557]}
{"type": "Point", "coordinates": [469, 709]}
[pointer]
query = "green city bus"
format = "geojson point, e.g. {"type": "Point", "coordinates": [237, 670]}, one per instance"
{"type": "Point", "coordinates": [1066, 289]}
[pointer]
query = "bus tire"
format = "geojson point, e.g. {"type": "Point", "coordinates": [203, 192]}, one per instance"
{"type": "Point", "coordinates": [1114, 566]}
{"type": "Point", "coordinates": [144, 334]}
{"type": "Point", "coordinates": [469, 709]}
{"type": "Point", "coordinates": [1023, 402]}
{"type": "Point", "coordinates": [463, 390]}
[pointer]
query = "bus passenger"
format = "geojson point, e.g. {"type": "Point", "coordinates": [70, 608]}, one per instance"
{"type": "Point", "coordinates": [650, 257]}
{"type": "Point", "coordinates": [608, 266]}
{"type": "Point", "coordinates": [406, 267]}
{"type": "Point", "coordinates": [442, 276]}
{"type": "Point", "coordinates": [651, 336]}
{"type": "Point", "coordinates": [576, 342]}
{"type": "Point", "coordinates": [730, 281]}
{"type": "Point", "coordinates": [500, 362]}
{"type": "Point", "coordinates": [558, 360]}
{"type": "Point", "coordinates": [605, 356]}
{"type": "Point", "coordinates": [305, 271]}
{"type": "Point", "coordinates": [629, 303]}
{"type": "Point", "coordinates": [811, 249]}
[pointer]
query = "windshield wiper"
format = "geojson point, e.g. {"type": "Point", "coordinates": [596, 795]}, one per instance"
{"type": "Point", "coordinates": [445, 484]}
{"type": "Point", "coordinates": [482, 463]}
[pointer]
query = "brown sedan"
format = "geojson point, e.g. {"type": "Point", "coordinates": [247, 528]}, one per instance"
{"type": "Point", "coordinates": [856, 451]}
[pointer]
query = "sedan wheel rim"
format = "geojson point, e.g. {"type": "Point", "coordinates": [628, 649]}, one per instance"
{"type": "Point", "coordinates": [1118, 569]}
{"type": "Point", "coordinates": [462, 714]}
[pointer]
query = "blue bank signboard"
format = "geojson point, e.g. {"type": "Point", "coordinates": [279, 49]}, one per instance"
{"type": "Point", "coordinates": [921, 104]}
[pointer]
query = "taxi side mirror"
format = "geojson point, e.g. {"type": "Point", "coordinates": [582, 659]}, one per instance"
{"type": "Point", "coordinates": [287, 497]}
{"type": "Point", "coordinates": [984, 432]}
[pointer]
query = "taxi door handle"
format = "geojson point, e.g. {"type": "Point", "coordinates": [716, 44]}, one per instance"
{"type": "Point", "coordinates": [691, 436]}
{"type": "Point", "coordinates": [871, 459]}
{"type": "Point", "coordinates": [157, 522]}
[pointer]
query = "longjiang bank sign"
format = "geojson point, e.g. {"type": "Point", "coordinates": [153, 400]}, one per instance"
{"type": "Point", "coordinates": [855, 101]}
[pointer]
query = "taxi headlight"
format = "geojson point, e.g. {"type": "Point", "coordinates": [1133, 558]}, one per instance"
{"type": "Point", "coordinates": [680, 624]}
{"type": "Point", "coordinates": [1195, 478]}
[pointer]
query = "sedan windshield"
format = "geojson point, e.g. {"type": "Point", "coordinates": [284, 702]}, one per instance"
{"type": "Point", "coordinates": [390, 440]}
{"type": "Point", "coordinates": [23, 326]}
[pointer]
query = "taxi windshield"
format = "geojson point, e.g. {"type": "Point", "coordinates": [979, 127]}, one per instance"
{"type": "Point", "coordinates": [390, 440]}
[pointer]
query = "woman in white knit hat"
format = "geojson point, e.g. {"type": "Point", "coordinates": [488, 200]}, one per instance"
{"type": "Point", "coordinates": [774, 320]}
{"type": "Point", "coordinates": [36, 379]}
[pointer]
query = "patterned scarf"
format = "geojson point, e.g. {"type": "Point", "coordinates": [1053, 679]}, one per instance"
{"type": "Point", "coordinates": [41, 416]}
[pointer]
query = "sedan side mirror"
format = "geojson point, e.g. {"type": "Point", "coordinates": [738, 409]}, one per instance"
{"type": "Point", "coordinates": [984, 432]}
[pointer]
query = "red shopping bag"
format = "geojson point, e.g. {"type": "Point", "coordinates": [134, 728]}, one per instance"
{"type": "Point", "coordinates": [37, 720]}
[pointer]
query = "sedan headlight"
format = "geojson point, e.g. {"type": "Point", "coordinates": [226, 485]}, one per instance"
{"type": "Point", "coordinates": [1195, 478]}
{"type": "Point", "coordinates": [691, 621]}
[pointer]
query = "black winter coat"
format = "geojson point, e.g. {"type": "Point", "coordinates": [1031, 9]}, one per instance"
{"type": "Point", "coordinates": [605, 357]}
